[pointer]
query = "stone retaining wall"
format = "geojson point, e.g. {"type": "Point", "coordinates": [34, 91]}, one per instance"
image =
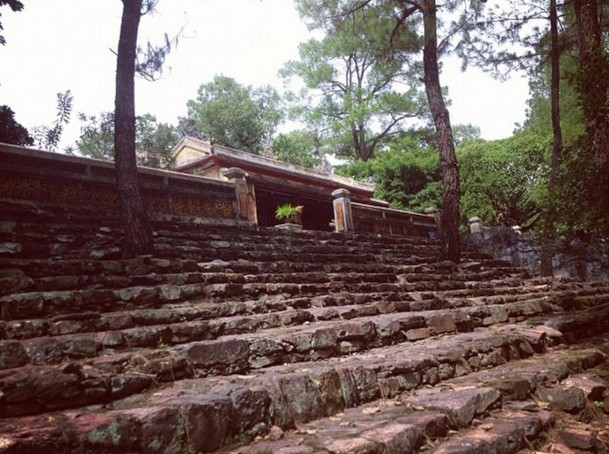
{"type": "Point", "coordinates": [574, 259]}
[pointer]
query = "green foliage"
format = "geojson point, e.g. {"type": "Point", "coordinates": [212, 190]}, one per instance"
{"type": "Point", "coordinates": [48, 137]}
{"type": "Point", "coordinates": [288, 211]}
{"type": "Point", "coordinates": [355, 78]}
{"type": "Point", "coordinates": [15, 5]}
{"type": "Point", "coordinates": [96, 136]}
{"type": "Point", "coordinates": [154, 140]}
{"type": "Point", "coordinates": [10, 130]}
{"type": "Point", "coordinates": [399, 172]}
{"type": "Point", "coordinates": [506, 176]}
{"type": "Point", "coordinates": [430, 196]}
{"type": "Point", "coordinates": [581, 201]}
{"type": "Point", "coordinates": [298, 147]}
{"type": "Point", "coordinates": [538, 115]}
{"type": "Point", "coordinates": [236, 116]}
{"type": "Point", "coordinates": [463, 133]}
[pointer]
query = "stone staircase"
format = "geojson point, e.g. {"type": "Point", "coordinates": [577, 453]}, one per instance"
{"type": "Point", "coordinates": [244, 339]}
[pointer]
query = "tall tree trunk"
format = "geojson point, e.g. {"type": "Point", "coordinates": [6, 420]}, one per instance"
{"type": "Point", "coordinates": [547, 254]}
{"type": "Point", "coordinates": [451, 243]}
{"type": "Point", "coordinates": [593, 81]}
{"type": "Point", "coordinates": [138, 234]}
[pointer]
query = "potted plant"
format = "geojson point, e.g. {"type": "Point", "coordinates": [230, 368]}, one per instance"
{"type": "Point", "coordinates": [291, 215]}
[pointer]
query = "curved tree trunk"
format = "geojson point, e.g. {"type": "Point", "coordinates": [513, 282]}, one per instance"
{"type": "Point", "coordinates": [138, 234]}
{"type": "Point", "coordinates": [451, 245]}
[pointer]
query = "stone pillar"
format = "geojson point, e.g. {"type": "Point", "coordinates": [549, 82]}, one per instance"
{"type": "Point", "coordinates": [343, 216]}
{"type": "Point", "coordinates": [475, 225]}
{"type": "Point", "coordinates": [246, 199]}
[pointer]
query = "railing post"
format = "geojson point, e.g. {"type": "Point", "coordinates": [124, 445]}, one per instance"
{"type": "Point", "coordinates": [246, 198]}
{"type": "Point", "coordinates": [475, 225]}
{"type": "Point", "coordinates": [343, 215]}
{"type": "Point", "coordinates": [435, 213]}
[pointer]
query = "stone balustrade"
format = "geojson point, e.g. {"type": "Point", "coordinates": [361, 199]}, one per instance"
{"type": "Point", "coordinates": [350, 216]}
{"type": "Point", "coordinates": [39, 176]}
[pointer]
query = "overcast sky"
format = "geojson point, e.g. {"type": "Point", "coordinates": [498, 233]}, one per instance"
{"type": "Point", "coordinates": [57, 45]}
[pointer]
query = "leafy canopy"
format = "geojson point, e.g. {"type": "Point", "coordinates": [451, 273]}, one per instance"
{"type": "Point", "coordinates": [11, 131]}
{"type": "Point", "coordinates": [298, 147]}
{"type": "Point", "coordinates": [154, 140]}
{"type": "Point", "coordinates": [235, 115]}
{"type": "Point", "coordinates": [399, 172]}
{"type": "Point", "coordinates": [15, 5]}
{"type": "Point", "coordinates": [506, 176]}
{"type": "Point", "coordinates": [359, 90]}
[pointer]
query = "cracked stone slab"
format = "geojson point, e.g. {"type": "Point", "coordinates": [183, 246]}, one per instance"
{"type": "Point", "coordinates": [460, 405]}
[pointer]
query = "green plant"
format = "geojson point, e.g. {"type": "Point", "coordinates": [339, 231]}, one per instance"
{"type": "Point", "coordinates": [288, 212]}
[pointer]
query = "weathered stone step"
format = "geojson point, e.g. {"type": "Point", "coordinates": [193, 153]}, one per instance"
{"type": "Point", "coordinates": [591, 296]}
{"type": "Point", "coordinates": [117, 375]}
{"type": "Point", "coordinates": [232, 356]}
{"type": "Point", "coordinates": [387, 371]}
{"type": "Point", "coordinates": [335, 407]}
{"type": "Point", "coordinates": [27, 276]}
{"type": "Point", "coordinates": [190, 231]}
{"type": "Point", "coordinates": [187, 322]}
{"type": "Point", "coordinates": [579, 325]}
{"type": "Point", "coordinates": [43, 239]}
{"type": "Point", "coordinates": [379, 323]}
{"type": "Point", "coordinates": [422, 419]}
{"type": "Point", "coordinates": [186, 286]}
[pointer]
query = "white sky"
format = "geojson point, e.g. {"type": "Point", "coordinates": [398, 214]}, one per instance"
{"type": "Point", "coordinates": [57, 45]}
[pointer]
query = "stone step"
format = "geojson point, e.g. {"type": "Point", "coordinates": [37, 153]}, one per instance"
{"type": "Point", "coordinates": [486, 411]}
{"type": "Point", "coordinates": [239, 355]}
{"type": "Point", "coordinates": [173, 321]}
{"type": "Point", "coordinates": [581, 324]}
{"type": "Point", "coordinates": [23, 276]}
{"type": "Point", "coordinates": [40, 237]}
{"type": "Point", "coordinates": [156, 290]}
{"type": "Point", "coordinates": [334, 330]}
{"type": "Point", "coordinates": [190, 231]}
{"type": "Point", "coordinates": [264, 351]}
{"type": "Point", "coordinates": [333, 407]}
{"type": "Point", "coordinates": [110, 275]}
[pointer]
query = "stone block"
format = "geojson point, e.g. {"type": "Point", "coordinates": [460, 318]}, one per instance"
{"type": "Point", "coordinates": [441, 323]}
{"type": "Point", "coordinates": [433, 424]}
{"type": "Point", "coordinates": [81, 346]}
{"type": "Point", "coordinates": [459, 405]}
{"type": "Point", "coordinates": [162, 429]}
{"type": "Point", "coordinates": [497, 437]}
{"type": "Point", "coordinates": [205, 420]}
{"type": "Point", "coordinates": [418, 334]}
{"type": "Point", "coordinates": [302, 397]}
{"type": "Point", "coordinates": [353, 446]}
{"type": "Point", "coordinates": [571, 400]}
{"type": "Point", "coordinates": [224, 356]}
{"type": "Point", "coordinates": [592, 385]}
{"type": "Point", "coordinates": [396, 438]}
{"type": "Point", "coordinates": [108, 432]}
{"type": "Point", "coordinates": [44, 350]}
{"type": "Point", "coordinates": [578, 437]}
{"type": "Point", "coordinates": [128, 384]}
{"type": "Point", "coordinates": [12, 354]}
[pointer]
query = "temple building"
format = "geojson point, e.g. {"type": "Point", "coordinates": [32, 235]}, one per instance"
{"type": "Point", "coordinates": [269, 183]}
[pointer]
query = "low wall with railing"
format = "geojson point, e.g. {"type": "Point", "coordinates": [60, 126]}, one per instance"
{"type": "Point", "coordinates": [362, 218]}
{"type": "Point", "coordinates": [40, 176]}
{"type": "Point", "coordinates": [386, 221]}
